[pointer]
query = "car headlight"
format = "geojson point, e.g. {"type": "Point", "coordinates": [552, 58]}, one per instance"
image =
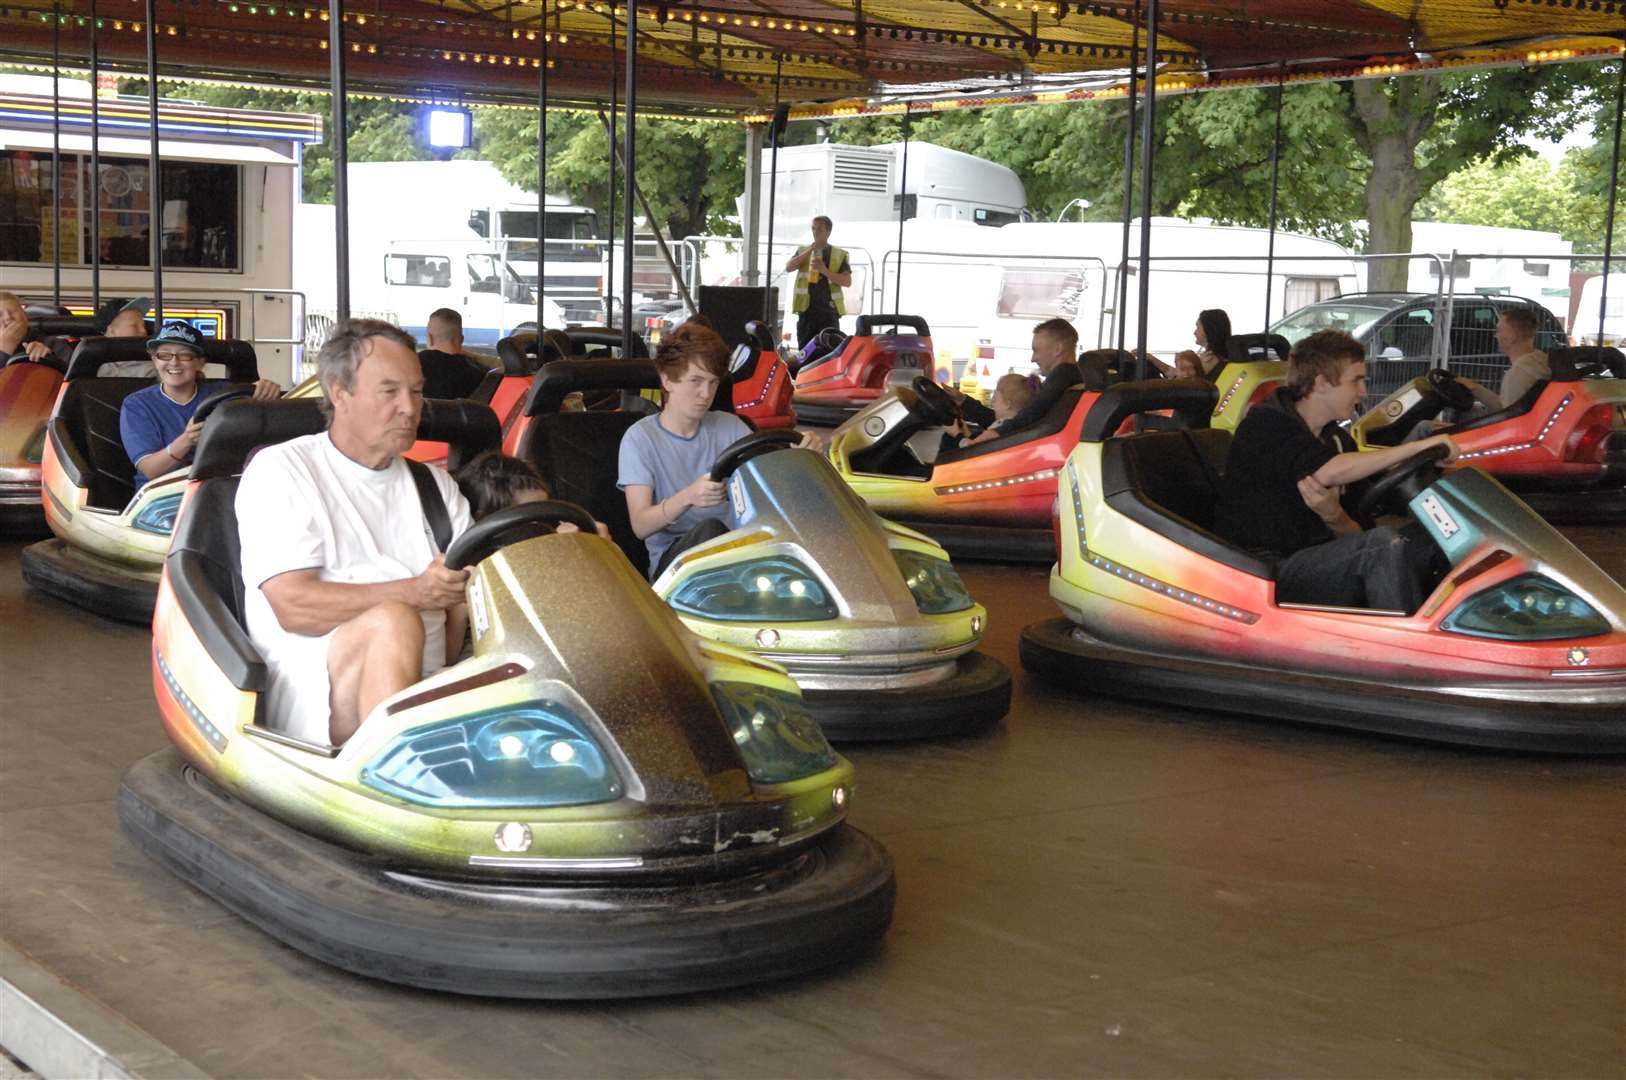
{"type": "Point", "coordinates": [1527, 608]}
{"type": "Point", "coordinates": [935, 584]}
{"type": "Point", "coordinates": [776, 735]}
{"type": "Point", "coordinates": [766, 590]}
{"type": "Point", "coordinates": [538, 755]}
{"type": "Point", "coordinates": [158, 516]}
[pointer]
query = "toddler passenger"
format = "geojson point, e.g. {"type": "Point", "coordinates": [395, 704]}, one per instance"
{"type": "Point", "coordinates": [1011, 395]}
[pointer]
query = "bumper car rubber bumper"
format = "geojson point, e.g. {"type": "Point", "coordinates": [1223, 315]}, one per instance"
{"type": "Point", "coordinates": [988, 543]}
{"type": "Point", "coordinates": [1469, 716]}
{"type": "Point", "coordinates": [1602, 503]}
{"type": "Point", "coordinates": [86, 581]}
{"type": "Point", "coordinates": [974, 698]}
{"type": "Point", "coordinates": [825, 904]}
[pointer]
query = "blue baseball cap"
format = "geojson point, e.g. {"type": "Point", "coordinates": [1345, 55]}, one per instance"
{"type": "Point", "coordinates": [177, 332]}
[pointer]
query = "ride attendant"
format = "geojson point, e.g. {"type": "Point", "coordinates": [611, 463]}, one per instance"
{"type": "Point", "coordinates": [449, 372]}
{"type": "Point", "coordinates": [346, 596]}
{"type": "Point", "coordinates": [1527, 365]}
{"type": "Point", "coordinates": [666, 459]}
{"type": "Point", "coordinates": [1055, 346]}
{"type": "Point", "coordinates": [1285, 479]}
{"type": "Point", "coordinates": [17, 337]}
{"type": "Point", "coordinates": [819, 266]}
{"type": "Point", "coordinates": [155, 423]}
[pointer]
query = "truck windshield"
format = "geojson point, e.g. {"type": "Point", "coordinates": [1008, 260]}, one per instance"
{"type": "Point", "coordinates": [572, 234]}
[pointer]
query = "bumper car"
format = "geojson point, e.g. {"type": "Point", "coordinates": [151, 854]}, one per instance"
{"type": "Point", "coordinates": [868, 617]}
{"type": "Point", "coordinates": [853, 371]}
{"type": "Point", "coordinates": [762, 381]}
{"type": "Point", "coordinates": [994, 500]}
{"type": "Point", "coordinates": [1561, 447]}
{"type": "Point", "coordinates": [1522, 644]}
{"type": "Point", "coordinates": [110, 539]}
{"type": "Point", "coordinates": [589, 806]}
{"type": "Point", "coordinates": [27, 392]}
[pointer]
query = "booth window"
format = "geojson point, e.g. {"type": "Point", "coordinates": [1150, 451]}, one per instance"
{"type": "Point", "coordinates": [199, 221]}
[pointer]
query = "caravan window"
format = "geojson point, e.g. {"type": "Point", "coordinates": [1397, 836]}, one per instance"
{"type": "Point", "coordinates": [1303, 291]}
{"type": "Point", "coordinates": [428, 271]}
{"type": "Point", "coordinates": [1040, 294]}
{"type": "Point", "coordinates": [198, 221]}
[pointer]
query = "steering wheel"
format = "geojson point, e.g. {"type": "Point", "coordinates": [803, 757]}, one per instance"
{"type": "Point", "coordinates": [1403, 482]}
{"type": "Point", "coordinates": [762, 442]}
{"type": "Point", "coordinates": [207, 409]}
{"type": "Point", "coordinates": [512, 525]}
{"type": "Point", "coordinates": [932, 403]}
{"type": "Point", "coordinates": [1457, 397]}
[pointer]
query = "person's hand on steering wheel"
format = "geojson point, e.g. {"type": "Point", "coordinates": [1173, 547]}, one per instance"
{"type": "Point", "coordinates": [266, 390]}
{"type": "Point", "coordinates": [36, 350]}
{"type": "Point", "coordinates": [811, 441]}
{"type": "Point", "coordinates": [1452, 450]}
{"type": "Point", "coordinates": [703, 492]}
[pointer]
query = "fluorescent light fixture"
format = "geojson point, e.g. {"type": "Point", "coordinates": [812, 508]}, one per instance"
{"type": "Point", "coordinates": [448, 129]}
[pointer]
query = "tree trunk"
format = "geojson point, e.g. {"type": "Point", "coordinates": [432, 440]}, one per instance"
{"type": "Point", "coordinates": [1391, 116]}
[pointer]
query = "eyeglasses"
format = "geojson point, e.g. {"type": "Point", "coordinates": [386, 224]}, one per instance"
{"type": "Point", "coordinates": [176, 354]}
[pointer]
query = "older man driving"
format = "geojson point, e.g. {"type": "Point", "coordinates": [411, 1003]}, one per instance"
{"type": "Point", "coordinates": [347, 596]}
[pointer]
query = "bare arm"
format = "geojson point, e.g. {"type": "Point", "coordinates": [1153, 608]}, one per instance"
{"type": "Point", "coordinates": [649, 517]}
{"type": "Point", "coordinates": [798, 260]}
{"type": "Point", "coordinates": [305, 604]}
{"type": "Point", "coordinates": [172, 455]}
{"type": "Point", "coordinates": [1354, 465]}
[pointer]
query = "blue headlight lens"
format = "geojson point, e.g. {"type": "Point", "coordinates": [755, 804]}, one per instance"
{"type": "Point", "coordinates": [935, 583]}
{"type": "Point", "coordinates": [538, 755]}
{"type": "Point", "coordinates": [1528, 608]}
{"type": "Point", "coordinates": [767, 590]}
{"type": "Point", "coordinates": [777, 737]}
{"type": "Point", "coordinates": [158, 516]}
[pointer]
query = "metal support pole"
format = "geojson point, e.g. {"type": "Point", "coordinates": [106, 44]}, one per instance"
{"type": "Point", "coordinates": [90, 195]}
{"type": "Point", "coordinates": [155, 173]}
{"type": "Point", "coordinates": [773, 186]}
{"type": "Point", "coordinates": [1148, 135]}
{"type": "Point", "coordinates": [341, 157]}
{"type": "Point", "coordinates": [629, 166]}
{"type": "Point", "coordinates": [1614, 190]}
{"type": "Point", "coordinates": [660, 241]}
{"type": "Point", "coordinates": [903, 204]}
{"type": "Point", "coordinates": [609, 225]}
{"type": "Point", "coordinates": [56, 154]}
{"type": "Point", "coordinates": [1275, 175]}
{"type": "Point", "coordinates": [751, 268]}
{"type": "Point", "coordinates": [1122, 301]}
{"type": "Point", "coordinates": [541, 176]}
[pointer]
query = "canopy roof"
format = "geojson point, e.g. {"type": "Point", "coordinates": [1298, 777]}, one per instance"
{"type": "Point", "coordinates": [736, 57]}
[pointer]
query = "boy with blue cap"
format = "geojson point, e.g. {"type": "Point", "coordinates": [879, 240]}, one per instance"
{"type": "Point", "coordinates": [155, 423]}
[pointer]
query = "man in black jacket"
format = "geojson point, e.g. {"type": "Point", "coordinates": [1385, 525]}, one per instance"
{"type": "Point", "coordinates": [1055, 350]}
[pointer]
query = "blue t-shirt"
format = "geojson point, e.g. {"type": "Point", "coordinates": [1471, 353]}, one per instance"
{"type": "Point", "coordinates": [150, 421]}
{"type": "Point", "coordinates": [653, 457]}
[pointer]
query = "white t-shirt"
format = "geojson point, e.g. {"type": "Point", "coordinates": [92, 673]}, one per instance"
{"type": "Point", "coordinates": [303, 505]}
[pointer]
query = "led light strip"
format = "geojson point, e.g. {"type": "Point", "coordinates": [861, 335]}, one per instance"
{"type": "Point", "coordinates": [1542, 434]}
{"type": "Point", "coordinates": [216, 737]}
{"type": "Point", "coordinates": [773, 373]}
{"type": "Point", "coordinates": [985, 485]}
{"type": "Point", "coordinates": [1229, 394]}
{"type": "Point", "coordinates": [1196, 600]}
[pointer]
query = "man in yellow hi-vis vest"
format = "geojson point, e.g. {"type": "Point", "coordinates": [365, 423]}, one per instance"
{"type": "Point", "coordinates": [818, 266]}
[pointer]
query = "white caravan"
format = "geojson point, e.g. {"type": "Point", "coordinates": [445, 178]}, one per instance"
{"type": "Point", "coordinates": [1493, 261]}
{"type": "Point", "coordinates": [1585, 326]}
{"type": "Point", "coordinates": [230, 185]}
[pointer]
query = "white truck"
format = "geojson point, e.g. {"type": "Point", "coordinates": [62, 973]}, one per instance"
{"type": "Point", "coordinates": [431, 234]}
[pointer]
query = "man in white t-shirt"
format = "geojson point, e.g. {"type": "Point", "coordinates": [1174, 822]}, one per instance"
{"type": "Point", "coordinates": [346, 595]}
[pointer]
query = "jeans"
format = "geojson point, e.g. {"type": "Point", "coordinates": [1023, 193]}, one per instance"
{"type": "Point", "coordinates": [708, 529]}
{"type": "Point", "coordinates": [810, 322]}
{"type": "Point", "coordinates": [1374, 569]}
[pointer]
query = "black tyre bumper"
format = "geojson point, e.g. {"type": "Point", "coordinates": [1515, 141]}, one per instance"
{"type": "Point", "coordinates": [1058, 651]}
{"type": "Point", "coordinates": [827, 904]}
{"type": "Point", "coordinates": [86, 581]}
{"type": "Point", "coordinates": [989, 543]}
{"type": "Point", "coordinates": [977, 695]}
{"type": "Point", "coordinates": [824, 415]}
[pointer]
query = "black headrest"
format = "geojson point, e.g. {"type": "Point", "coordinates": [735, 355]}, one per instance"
{"type": "Point", "coordinates": [237, 357]}
{"type": "Point", "coordinates": [72, 326]}
{"type": "Point", "coordinates": [759, 335]}
{"type": "Point", "coordinates": [39, 309]}
{"type": "Point", "coordinates": [563, 377]}
{"type": "Point", "coordinates": [583, 338]}
{"type": "Point", "coordinates": [1103, 367]}
{"type": "Point", "coordinates": [867, 324]}
{"type": "Point", "coordinates": [518, 353]}
{"type": "Point", "coordinates": [1244, 347]}
{"type": "Point", "coordinates": [1191, 399]}
{"type": "Point", "coordinates": [239, 427]}
{"type": "Point", "coordinates": [1587, 362]}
